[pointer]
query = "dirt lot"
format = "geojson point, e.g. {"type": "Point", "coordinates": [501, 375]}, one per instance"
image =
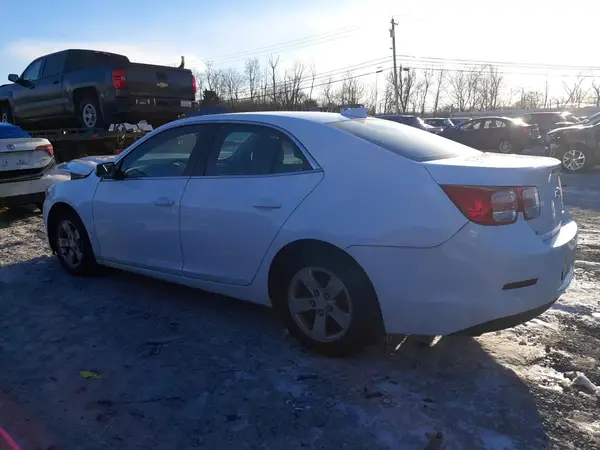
{"type": "Point", "coordinates": [173, 368]}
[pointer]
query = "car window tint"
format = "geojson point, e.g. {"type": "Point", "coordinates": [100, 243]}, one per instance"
{"type": "Point", "coordinates": [500, 124]}
{"type": "Point", "coordinates": [165, 155]}
{"type": "Point", "coordinates": [467, 126]}
{"type": "Point", "coordinates": [476, 125]}
{"type": "Point", "coordinates": [32, 73]}
{"type": "Point", "coordinates": [411, 143]}
{"type": "Point", "coordinates": [53, 65]}
{"type": "Point", "coordinates": [254, 150]}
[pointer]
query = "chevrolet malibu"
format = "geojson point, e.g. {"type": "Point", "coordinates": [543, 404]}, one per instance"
{"type": "Point", "coordinates": [350, 227]}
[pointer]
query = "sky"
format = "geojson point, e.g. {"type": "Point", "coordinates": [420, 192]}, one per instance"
{"type": "Point", "coordinates": [329, 34]}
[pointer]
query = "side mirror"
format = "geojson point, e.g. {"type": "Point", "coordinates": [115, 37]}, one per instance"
{"type": "Point", "coordinates": [107, 170]}
{"type": "Point", "coordinates": [13, 78]}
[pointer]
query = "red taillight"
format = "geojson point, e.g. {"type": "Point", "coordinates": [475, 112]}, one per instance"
{"type": "Point", "coordinates": [119, 79]}
{"type": "Point", "coordinates": [194, 84]}
{"type": "Point", "coordinates": [495, 206]}
{"type": "Point", "coordinates": [46, 148]}
{"type": "Point", "coordinates": [526, 131]}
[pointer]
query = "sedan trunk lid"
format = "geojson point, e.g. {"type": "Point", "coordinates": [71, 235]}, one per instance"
{"type": "Point", "coordinates": [19, 154]}
{"type": "Point", "coordinates": [496, 170]}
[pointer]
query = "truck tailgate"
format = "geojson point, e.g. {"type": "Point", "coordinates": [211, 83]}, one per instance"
{"type": "Point", "coordinates": [159, 81]}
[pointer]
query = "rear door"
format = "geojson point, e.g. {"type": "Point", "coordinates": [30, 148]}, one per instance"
{"type": "Point", "coordinates": [495, 133]}
{"type": "Point", "coordinates": [52, 103]}
{"type": "Point", "coordinates": [146, 80]}
{"type": "Point", "coordinates": [230, 214]}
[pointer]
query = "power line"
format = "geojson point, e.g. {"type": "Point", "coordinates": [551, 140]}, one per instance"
{"type": "Point", "coordinates": [283, 46]}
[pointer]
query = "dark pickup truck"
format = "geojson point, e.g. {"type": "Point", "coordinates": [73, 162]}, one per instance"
{"type": "Point", "coordinates": [93, 89]}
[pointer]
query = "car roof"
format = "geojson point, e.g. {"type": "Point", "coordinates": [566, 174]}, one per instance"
{"type": "Point", "coordinates": [490, 117]}
{"type": "Point", "coordinates": [276, 117]}
{"type": "Point", "coordinates": [7, 125]}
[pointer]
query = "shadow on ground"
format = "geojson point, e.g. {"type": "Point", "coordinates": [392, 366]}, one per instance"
{"type": "Point", "coordinates": [178, 368]}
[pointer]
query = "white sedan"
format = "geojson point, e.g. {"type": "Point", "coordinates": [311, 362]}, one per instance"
{"type": "Point", "coordinates": [349, 227]}
{"type": "Point", "coordinates": [26, 166]}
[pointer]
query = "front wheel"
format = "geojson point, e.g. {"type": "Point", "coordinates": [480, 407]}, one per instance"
{"type": "Point", "coordinates": [73, 246]}
{"type": "Point", "coordinates": [575, 159]}
{"type": "Point", "coordinates": [328, 304]}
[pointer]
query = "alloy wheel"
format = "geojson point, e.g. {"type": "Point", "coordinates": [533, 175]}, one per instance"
{"type": "Point", "coordinates": [505, 147]}
{"type": "Point", "coordinates": [69, 244]}
{"type": "Point", "coordinates": [320, 304]}
{"type": "Point", "coordinates": [89, 115]}
{"type": "Point", "coordinates": [574, 160]}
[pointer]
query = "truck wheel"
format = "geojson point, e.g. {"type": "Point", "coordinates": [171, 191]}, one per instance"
{"type": "Point", "coordinates": [575, 159]}
{"type": "Point", "coordinates": [90, 115]}
{"type": "Point", "coordinates": [5, 114]}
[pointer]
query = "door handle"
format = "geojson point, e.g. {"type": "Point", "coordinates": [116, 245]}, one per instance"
{"type": "Point", "coordinates": [55, 82]}
{"type": "Point", "coordinates": [267, 204]}
{"type": "Point", "coordinates": [164, 202]}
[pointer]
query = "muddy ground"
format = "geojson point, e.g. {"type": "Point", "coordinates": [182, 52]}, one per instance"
{"type": "Point", "coordinates": [122, 361]}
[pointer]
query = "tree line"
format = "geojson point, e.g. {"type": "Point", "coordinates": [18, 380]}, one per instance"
{"type": "Point", "coordinates": [426, 90]}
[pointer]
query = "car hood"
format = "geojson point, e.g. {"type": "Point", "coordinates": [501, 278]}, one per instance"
{"type": "Point", "coordinates": [83, 166]}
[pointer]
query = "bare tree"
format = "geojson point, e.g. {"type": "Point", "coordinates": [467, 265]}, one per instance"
{"type": "Point", "coordinates": [214, 78]}
{"type": "Point", "coordinates": [575, 93]}
{"type": "Point", "coordinates": [458, 90]}
{"type": "Point", "coordinates": [252, 71]}
{"type": "Point", "coordinates": [438, 90]}
{"type": "Point", "coordinates": [352, 91]}
{"type": "Point", "coordinates": [291, 92]}
{"type": "Point", "coordinates": [426, 81]}
{"type": "Point", "coordinates": [328, 95]}
{"type": "Point", "coordinates": [313, 74]}
{"type": "Point", "coordinates": [273, 65]}
{"type": "Point", "coordinates": [595, 93]}
{"type": "Point", "coordinates": [233, 82]}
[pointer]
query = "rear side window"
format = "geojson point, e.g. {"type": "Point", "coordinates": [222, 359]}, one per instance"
{"type": "Point", "coordinates": [83, 59]}
{"type": "Point", "coordinates": [411, 143]}
{"type": "Point", "coordinates": [11, 132]}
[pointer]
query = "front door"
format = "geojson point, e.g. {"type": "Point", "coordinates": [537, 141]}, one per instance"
{"type": "Point", "coordinates": [136, 218]}
{"type": "Point", "coordinates": [231, 212]}
{"type": "Point", "coordinates": [27, 97]}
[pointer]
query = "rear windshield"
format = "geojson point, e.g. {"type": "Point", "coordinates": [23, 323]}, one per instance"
{"type": "Point", "coordinates": [11, 132]}
{"type": "Point", "coordinates": [403, 140]}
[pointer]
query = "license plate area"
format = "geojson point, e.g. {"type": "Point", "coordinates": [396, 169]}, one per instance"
{"type": "Point", "coordinates": [186, 103]}
{"type": "Point", "coordinates": [142, 101]}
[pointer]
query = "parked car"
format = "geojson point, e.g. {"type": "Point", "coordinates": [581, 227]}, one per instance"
{"type": "Point", "coordinates": [547, 121]}
{"type": "Point", "coordinates": [440, 124]}
{"type": "Point", "coordinates": [411, 248]}
{"type": "Point", "coordinates": [577, 146]}
{"type": "Point", "coordinates": [412, 121]}
{"type": "Point", "coordinates": [94, 89]}
{"type": "Point", "coordinates": [457, 121]}
{"type": "Point", "coordinates": [498, 134]}
{"type": "Point", "coordinates": [26, 165]}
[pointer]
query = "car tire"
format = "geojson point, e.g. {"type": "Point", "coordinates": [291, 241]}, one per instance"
{"type": "Point", "coordinates": [6, 114]}
{"type": "Point", "coordinates": [506, 147]}
{"type": "Point", "coordinates": [73, 247]}
{"type": "Point", "coordinates": [90, 114]}
{"type": "Point", "coordinates": [321, 320]}
{"type": "Point", "coordinates": [574, 159]}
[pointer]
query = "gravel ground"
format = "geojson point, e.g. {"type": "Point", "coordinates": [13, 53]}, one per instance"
{"type": "Point", "coordinates": [171, 368]}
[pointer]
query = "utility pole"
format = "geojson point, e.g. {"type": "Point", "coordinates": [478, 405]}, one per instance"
{"type": "Point", "coordinates": [393, 36]}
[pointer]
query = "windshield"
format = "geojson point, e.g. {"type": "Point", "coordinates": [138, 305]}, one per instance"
{"type": "Point", "coordinates": [8, 131]}
{"type": "Point", "coordinates": [408, 142]}
{"type": "Point", "coordinates": [593, 119]}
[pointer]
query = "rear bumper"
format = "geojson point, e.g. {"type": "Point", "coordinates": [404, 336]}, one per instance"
{"type": "Point", "coordinates": [156, 111]}
{"type": "Point", "coordinates": [476, 277]}
{"type": "Point", "coordinates": [28, 190]}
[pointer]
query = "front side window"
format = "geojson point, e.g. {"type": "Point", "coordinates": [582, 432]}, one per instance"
{"type": "Point", "coordinates": [165, 155]}
{"type": "Point", "coordinates": [54, 65]}
{"type": "Point", "coordinates": [32, 73]}
{"type": "Point", "coordinates": [254, 150]}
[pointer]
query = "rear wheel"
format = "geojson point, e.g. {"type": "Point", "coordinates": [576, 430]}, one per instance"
{"type": "Point", "coordinates": [90, 115]}
{"type": "Point", "coordinates": [73, 246]}
{"type": "Point", "coordinates": [575, 159]}
{"type": "Point", "coordinates": [505, 147]}
{"type": "Point", "coordinates": [328, 303]}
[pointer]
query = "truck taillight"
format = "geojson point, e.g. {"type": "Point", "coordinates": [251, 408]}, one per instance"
{"type": "Point", "coordinates": [46, 148]}
{"type": "Point", "coordinates": [119, 79]}
{"type": "Point", "coordinates": [495, 206]}
{"type": "Point", "coordinates": [194, 84]}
